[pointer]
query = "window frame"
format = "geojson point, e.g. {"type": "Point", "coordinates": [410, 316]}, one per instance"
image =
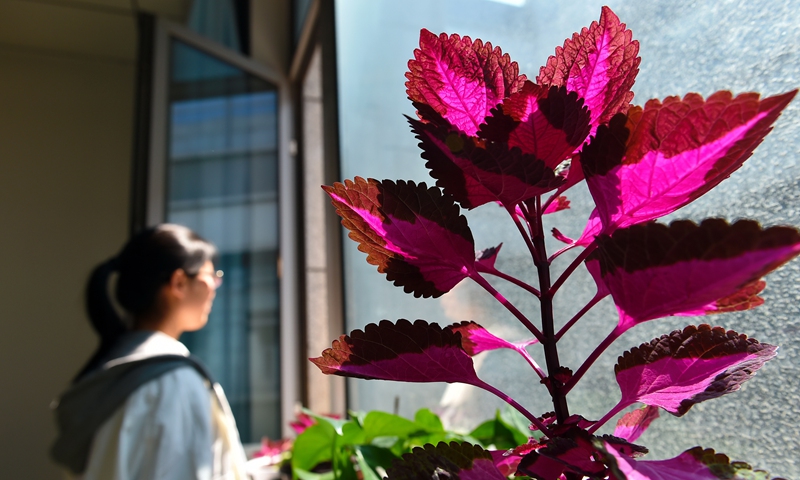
{"type": "Point", "coordinates": [150, 162]}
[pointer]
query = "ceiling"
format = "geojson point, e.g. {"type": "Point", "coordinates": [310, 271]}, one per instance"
{"type": "Point", "coordinates": [104, 29]}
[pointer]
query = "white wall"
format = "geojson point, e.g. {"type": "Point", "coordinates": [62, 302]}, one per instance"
{"type": "Point", "coordinates": [65, 152]}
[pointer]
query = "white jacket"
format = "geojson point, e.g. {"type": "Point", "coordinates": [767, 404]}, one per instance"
{"type": "Point", "coordinates": [176, 426]}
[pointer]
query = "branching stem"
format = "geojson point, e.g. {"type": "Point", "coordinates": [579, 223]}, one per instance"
{"type": "Point", "coordinates": [598, 296]}
{"type": "Point", "coordinates": [527, 356]}
{"type": "Point", "coordinates": [539, 424]}
{"type": "Point", "coordinates": [572, 266]}
{"type": "Point", "coordinates": [510, 306]}
{"type": "Point", "coordinates": [608, 416]}
{"type": "Point", "coordinates": [523, 232]}
{"type": "Point", "coordinates": [509, 278]}
{"type": "Point", "coordinates": [594, 356]}
{"type": "Point", "coordinates": [557, 391]}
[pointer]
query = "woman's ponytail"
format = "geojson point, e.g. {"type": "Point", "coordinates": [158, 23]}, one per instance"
{"type": "Point", "coordinates": [102, 315]}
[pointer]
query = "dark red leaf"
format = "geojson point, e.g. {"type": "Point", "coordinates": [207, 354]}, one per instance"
{"type": "Point", "coordinates": [413, 234]}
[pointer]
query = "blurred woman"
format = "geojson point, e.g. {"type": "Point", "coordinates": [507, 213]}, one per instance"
{"type": "Point", "coordinates": [143, 407]}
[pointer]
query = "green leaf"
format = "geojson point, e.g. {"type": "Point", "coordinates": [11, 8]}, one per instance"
{"type": "Point", "coordinates": [382, 424]}
{"type": "Point", "coordinates": [428, 420]}
{"type": "Point", "coordinates": [377, 456]}
{"type": "Point", "coordinates": [336, 423]}
{"type": "Point", "coordinates": [367, 473]}
{"type": "Point", "coordinates": [517, 423]}
{"type": "Point", "coordinates": [313, 446]}
{"type": "Point", "coordinates": [352, 434]}
{"type": "Point", "coordinates": [501, 432]}
{"type": "Point", "coordinates": [306, 475]}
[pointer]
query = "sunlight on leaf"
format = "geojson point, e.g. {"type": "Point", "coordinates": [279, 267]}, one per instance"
{"type": "Point", "coordinates": [686, 367]}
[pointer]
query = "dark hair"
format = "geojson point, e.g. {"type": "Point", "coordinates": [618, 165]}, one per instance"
{"type": "Point", "coordinates": [145, 264]}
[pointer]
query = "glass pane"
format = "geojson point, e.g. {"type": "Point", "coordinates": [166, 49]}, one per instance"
{"type": "Point", "coordinates": [685, 46]}
{"type": "Point", "coordinates": [222, 182]}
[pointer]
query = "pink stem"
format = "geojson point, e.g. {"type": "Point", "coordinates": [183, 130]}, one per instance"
{"type": "Point", "coordinates": [618, 408]}
{"type": "Point", "coordinates": [563, 250]}
{"type": "Point", "coordinates": [522, 232]}
{"type": "Point", "coordinates": [572, 266]}
{"type": "Point", "coordinates": [511, 308]}
{"type": "Point", "coordinates": [539, 424]}
{"type": "Point", "coordinates": [527, 356]}
{"type": "Point", "coordinates": [509, 278]}
{"type": "Point", "coordinates": [595, 354]}
{"type": "Point", "coordinates": [580, 314]}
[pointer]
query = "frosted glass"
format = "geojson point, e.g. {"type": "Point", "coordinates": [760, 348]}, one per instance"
{"type": "Point", "coordinates": [685, 46]}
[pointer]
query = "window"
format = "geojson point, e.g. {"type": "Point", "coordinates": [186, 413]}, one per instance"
{"type": "Point", "coordinates": [214, 166]}
{"type": "Point", "coordinates": [699, 47]}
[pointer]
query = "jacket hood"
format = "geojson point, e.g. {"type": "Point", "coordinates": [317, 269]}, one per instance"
{"type": "Point", "coordinates": [137, 358]}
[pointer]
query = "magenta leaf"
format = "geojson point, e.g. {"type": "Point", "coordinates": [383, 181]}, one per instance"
{"type": "Point", "coordinates": [654, 161]}
{"type": "Point", "coordinates": [654, 270]}
{"type": "Point", "coordinates": [479, 171]}
{"type": "Point", "coordinates": [476, 339]}
{"type": "Point", "coordinates": [413, 234]}
{"type": "Point", "coordinates": [574, 451]}
{"type": "Point", "coordinates": [633, 424]}
{"type": "Point", "coordinates": [678, 370]}
{"type": "Point", "coordinates": [486, 258]}
{"type": "Point", "coordinates": [559, 203]}
{"type": "Point", "coordinates": [744, 299]}
{"type": "Point", "coordinates": [402, 351]}
{"type": "Point", "coordinates": [446, 460]}
{"type": "Point", "coordinates": [694, 464]}
{"type": "Point", "coordinates": [600, 64]}
{"type": "Point", "coordinates": [460, 79]}
{"type": "Point", "coordinates": [549, 124]}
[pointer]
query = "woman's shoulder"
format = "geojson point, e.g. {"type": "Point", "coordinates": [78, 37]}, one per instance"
{"type": "Point", "coordinates": [180, 387]}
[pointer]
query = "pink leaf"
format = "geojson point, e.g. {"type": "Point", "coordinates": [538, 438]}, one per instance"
{"type": "Point", "coordinates": [479, 171]}
{"type": "Point", "coordinates": [686, 367]}
{"type": "Point", "coordinates": [633, 424]}
{"type": "Point", "coordinates": [744, 299]}
{"type": "Point", "coordinates": [453, 460]}
{"type": "Point", "coordinates": [476, 339]}
{"type": "Point", "coordinates": [654, 271]}
{"type": "Point", "coordinates": [402, 351]}
{"type": "Point", "coordinates": [460, 79]}
{"type": "Point", "coordinates": [694, 464]}
{"type": "Point", "coordinates": [413, 234]}
{"type": "Point", "coordinates": [600, 64]}
{"type": "Point", "coordinates": [486, 258]}
{"type": "Point", "coordinates": [560, 203]}
{"type": "Point", "coordinates": [561, 237]}
{"type": "Point", "coordinates": [654, 161]}
{"type": "Point", "coordinates": [549, 124]}
{"type": "Point", "coordinates": [575, 451]}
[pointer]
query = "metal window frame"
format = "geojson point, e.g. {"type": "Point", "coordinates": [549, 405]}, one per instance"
{"type": "Point", "coordinates": [154, 211]}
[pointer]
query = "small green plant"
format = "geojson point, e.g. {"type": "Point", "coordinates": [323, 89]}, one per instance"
{"type": "Point", "coordinates": [364, 446]}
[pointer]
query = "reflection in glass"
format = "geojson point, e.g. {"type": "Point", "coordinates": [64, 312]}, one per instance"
{"type": "Point", "coordinates": [222, 182]}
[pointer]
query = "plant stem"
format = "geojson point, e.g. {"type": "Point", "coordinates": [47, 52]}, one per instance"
{"type": "Point", "coordinates": [527, 356]}
{"type": "Point", "coordinates": [562, 250]}
{"type": "Point", "coordinates": [549, 341]}
{"type": "Point", "coordinates": [580, 314]}
{"type": "Point", "coordinates": [539, 424]}
{"type": "Point", "coordinates": [511, 308]}
{"type": "Point", "coordinates": [595, 354]}
{"type": "Point", "coordinates": [522, 232]}
{"type": "Point", "coordinates": [618, 408]}
{"type": "Point", "coordinates": [571, 268]}
{"type": "Point", "coordinates": [509, 278]}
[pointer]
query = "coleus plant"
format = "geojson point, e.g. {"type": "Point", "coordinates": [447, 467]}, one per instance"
{"type": "Point", "coordinates": [491, 136]}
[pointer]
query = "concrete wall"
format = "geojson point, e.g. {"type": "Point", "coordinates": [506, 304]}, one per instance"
{"type": "Point", "coordinates": [65, 151]}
